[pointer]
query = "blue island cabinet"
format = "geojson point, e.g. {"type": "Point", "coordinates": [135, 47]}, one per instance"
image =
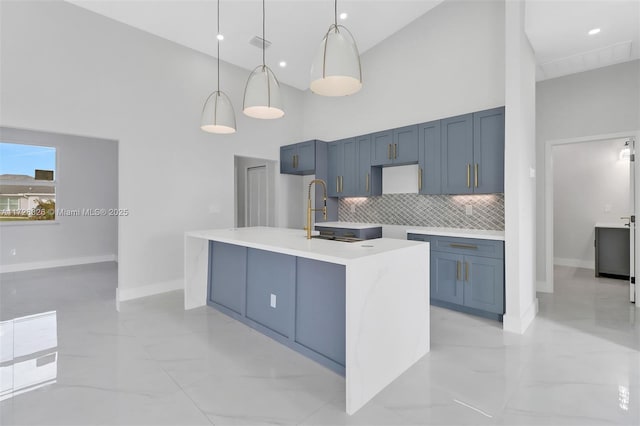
{"type": "Point", "coordinates": [298, 302]}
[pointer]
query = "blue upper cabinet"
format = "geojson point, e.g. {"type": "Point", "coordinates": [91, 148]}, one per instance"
{"type": "Point", "coordinates": [429, 174]}
{"type": "Point", "coordinates": [299, 158]}
{"type": "Point", "coordinates": [472, 153]}
{"type": "Point", "coordinates": [457, 154]}
{"type": "Point", "coordinates": [395, 147]}
{"type": "Point", "coordinates": [405, 145]}
{"type": "Point", "coordinates": [342, 177]}
{"type": "Point", "coordinates": [381, 143]}
{"type": "Point", "coordinates": [488, 151]}
{"type": "Point", "coordinates": [368, 179]}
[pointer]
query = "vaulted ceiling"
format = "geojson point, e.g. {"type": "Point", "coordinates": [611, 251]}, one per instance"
{"type": "Point", "coordinates": [558, 29]}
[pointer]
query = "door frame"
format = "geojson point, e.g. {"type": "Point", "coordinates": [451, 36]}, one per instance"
{"type": "Point", "coordinates": [547, 285]}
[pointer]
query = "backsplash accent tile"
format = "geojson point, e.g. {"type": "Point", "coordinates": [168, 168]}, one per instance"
{"type": "Point", "coordinates": [446, 211]}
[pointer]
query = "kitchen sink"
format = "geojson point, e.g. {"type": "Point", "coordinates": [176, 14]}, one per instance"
{"type": "Point", "coordinates": [334, 238]}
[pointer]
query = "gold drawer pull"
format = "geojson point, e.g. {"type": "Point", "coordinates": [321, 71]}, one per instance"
{"type": "Point", "coordinates": [458, 270]}
{"type": "Point", "coordinates": [466, 271]}
{"type": "Point", "coordinates": [468, 175]}
{"type": "Point", "coordinates": [419, 178]}
{"type": "Point", "coordinates": [463, 246]}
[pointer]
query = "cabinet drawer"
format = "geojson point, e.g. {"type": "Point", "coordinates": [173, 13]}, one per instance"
{"type": "Point", "coordinates": [419, 237]}
{"type": "Point", "coordinates": [468, 246]}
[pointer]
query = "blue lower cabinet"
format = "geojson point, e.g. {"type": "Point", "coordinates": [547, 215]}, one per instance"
{"type": "Point", "coordinates": [467, 274]}
{"type": "Point", "coordinates": [271, 289]}
{"type": "Point", "coordinates": [227, 275]}
{"type": "Point", "coordinates": [320, 308]}
{"type": "Point", "coordinates": [446, 285]}
{"type": "Point", "coordinates": [296, 301]}
{"type": "Point", "coordinates": [484, 284]}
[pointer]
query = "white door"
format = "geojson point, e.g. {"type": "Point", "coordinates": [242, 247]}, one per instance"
{"type": "Point", "coordinates": [256, 205]}
{"type": "Point", "coordinates": [632, 223]}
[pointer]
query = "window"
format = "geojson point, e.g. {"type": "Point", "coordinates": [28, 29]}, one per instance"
{"type": "Point", "coordinates": [27, 182]}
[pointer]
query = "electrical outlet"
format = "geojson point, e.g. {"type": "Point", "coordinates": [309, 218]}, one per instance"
{"type": "Point", "coordinates": [13, 252]}
{"type": "Point", "coordinates": [353, 208]}
{"type": "Point", "coordinates": [468, 209]}
{"type": "Point", "coordinates": [273, 300]}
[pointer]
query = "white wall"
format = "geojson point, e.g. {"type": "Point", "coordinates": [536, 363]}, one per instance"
{"type": "Point", "coordinates": [520, 163]}
{"type": "Point", "coordinates": [86, 178]}
{"type": "Point", "coordinates": [449, 61]}
{"type": "Point", "coordinates": [590, 184]}
{"type": "Point", "coordinates": [68, 70]}
{"type": "Point", "coordinates": [596, 102]}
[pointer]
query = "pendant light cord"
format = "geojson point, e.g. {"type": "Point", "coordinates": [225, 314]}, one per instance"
{"type": "Point", "coordinates": [336, 12]}
{"type": "Point", "coordinates": [218, 45]}
{"type": "Point", "coordinates": [263, 41]}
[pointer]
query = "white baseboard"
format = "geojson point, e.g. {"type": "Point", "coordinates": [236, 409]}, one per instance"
{"type": "Point", "coordinates": [574, 263]}
{"type": "Point", "coordinates": [124, 294]}
{"type": "Point", "coordinates": [520, 324]}
{"type": "Point", "coordinates": [544, 287]}
{"type": "Point", "coordinates": [29, 266]}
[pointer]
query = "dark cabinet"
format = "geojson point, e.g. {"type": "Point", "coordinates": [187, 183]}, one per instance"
{"type": "Point", "coordinates": [429, 172]}
{"type": "Point", "coordinates": [342, 168]}
{"type": "Point", "coordinates": [271, 289]}
{"type": "Point", "coordinates": [473, 153]}
{"type": "Point", "coordinates": [299, 158]}
{"type": "Point", "coordinates": [467, 274]}
{"type": "Point", "coordinates": [227, 275]}
{"type": "Point", "coordinates": [361, 233]}
{"type": "Point", "coordinates": [395, 147]}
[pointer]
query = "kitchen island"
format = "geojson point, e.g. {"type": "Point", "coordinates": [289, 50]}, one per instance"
{"type": "Point", "coordinates": [376, 291]}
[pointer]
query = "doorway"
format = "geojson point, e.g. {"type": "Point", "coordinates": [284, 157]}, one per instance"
{"type": "Point", "coordinates": [254, 192]}
{"type": "Point", "coordinates": [589, 182]}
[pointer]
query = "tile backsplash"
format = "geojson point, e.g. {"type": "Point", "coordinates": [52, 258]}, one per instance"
{"type": "Point", "coordinates": [448, 211]}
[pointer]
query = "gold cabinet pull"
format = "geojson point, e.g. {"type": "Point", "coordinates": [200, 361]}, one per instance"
{"type": "Point", "coordinates": [464, 246]}
{"type": "Point", "coordinates": [476, 176]}
{"type": "Point", "coordinates": [395, 151]}
{"type": "Point", "coordinates": [419, 178]}
{"type": "Point", "coordinates": [458, 270]}
{"type": "Point", "coordinates": [367, 185]}
{"type": "Point", "coordinates": [337, 184]}
{"type": "Point", "coordinates": [341, 184]}
{"type": "Point", "coordinates": [389, 151]}
{"type": "Point", "coordinates": [466, 271]}
{"type": "Point", "coordinates": [468, 175]}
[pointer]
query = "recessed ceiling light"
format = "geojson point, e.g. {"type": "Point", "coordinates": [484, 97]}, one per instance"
{"type": "Point", "coordinates": [283, 64]}
{"type": "Point", "coordinates": [344, 15]}
{"type": "Point", "coordinates": [220, 37]}
{"type": "Point", "coordinates": [594, 31]}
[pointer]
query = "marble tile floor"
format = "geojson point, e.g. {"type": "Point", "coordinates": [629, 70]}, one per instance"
{"type": "Point", "coordinates": [152, 363]}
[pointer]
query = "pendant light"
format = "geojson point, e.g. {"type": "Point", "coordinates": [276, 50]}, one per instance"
{"type": "Point", "coordinates": [217, 113]}
{"type": "Point", "coordinates": [336, 69]}
{"type": "Point", "coordinates": [262, 98]}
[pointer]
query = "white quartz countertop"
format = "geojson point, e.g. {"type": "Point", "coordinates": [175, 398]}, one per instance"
{"type": "Point", "coordinates": [294, 242]}
{"type": "Point", "coordinates": [611, 225]}
{"type": "Point", "coordinates": [458, 232]}
{"type": "Point", "coordinates": [348, 225]}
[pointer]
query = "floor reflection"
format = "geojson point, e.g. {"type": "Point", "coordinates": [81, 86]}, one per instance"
{"type": "Point", "coordinates": [28, 355]}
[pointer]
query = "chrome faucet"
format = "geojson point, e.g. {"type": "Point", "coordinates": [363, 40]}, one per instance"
{"type": "Point", "coordinates": [310, 209]}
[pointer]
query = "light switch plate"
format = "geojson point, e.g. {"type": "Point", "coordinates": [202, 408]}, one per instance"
{"type": "Point", "coordinates": [273, 300]}
{"type": "Point", "coordinates": [468, 209]}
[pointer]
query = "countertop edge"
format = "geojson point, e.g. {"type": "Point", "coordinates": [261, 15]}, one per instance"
{"type": "Point", "coordinates": [463, 233]}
